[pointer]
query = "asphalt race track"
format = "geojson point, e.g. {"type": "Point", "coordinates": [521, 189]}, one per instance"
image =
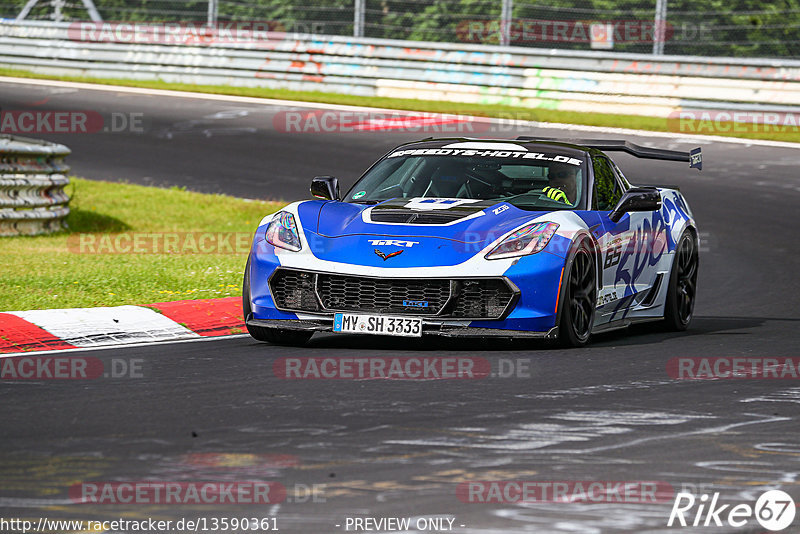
{"type": "Point", "coordinates": [215, 411]}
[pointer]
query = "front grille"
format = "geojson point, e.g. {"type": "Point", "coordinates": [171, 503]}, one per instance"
{"type": "Point", "coordinates": [482, 298]}
{"type": "Point", "coordinates": [382, 295]}
{"type": "Point", "coordinates": [415, 217]}
{"type": "Point", "coordinates": [294, 290]}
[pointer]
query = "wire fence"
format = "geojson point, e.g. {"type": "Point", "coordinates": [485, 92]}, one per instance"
{"type": "Point", "coordinates": [738, 28]}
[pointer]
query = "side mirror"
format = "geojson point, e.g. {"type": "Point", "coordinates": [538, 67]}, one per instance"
{"type": "Point", "coordinates": [325, 187]}
{"type": "Point", "coordinates": [636, 199]}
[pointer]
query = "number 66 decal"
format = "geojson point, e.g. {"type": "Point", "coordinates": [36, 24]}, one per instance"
{"type": "Point", "coordinates": [613, 255]}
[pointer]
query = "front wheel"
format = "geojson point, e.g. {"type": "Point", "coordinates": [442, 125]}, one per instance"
{"type": "Point", "coordinates": [276, 336]}
{"type": "Point", "coordinates": [579, 287]}
{"type": "Point", "coordinates": [679, 307]}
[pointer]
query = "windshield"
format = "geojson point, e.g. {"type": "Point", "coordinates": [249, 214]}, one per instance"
{"type": "Point", "coordinates": [527, 180]}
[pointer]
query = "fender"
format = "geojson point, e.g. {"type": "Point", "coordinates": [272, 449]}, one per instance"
{"type": "Point", "coordinates": [580, 236]}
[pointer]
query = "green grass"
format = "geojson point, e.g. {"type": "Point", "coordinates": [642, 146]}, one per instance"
{"type": "Point", "coordinates": [787, 134]}
{"type": "Point", "coordinates": [56, 272]}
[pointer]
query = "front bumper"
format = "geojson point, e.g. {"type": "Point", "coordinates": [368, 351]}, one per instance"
{"type": "Point", "coordinates": [428, 328]}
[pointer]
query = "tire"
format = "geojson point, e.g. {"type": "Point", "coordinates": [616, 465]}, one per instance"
{"type": "Point", "coordinates": [682, 290]}
{"type": "Point", "coordinates": [276, 336]}
{"type": "Point", "coordinates": [579, 290]}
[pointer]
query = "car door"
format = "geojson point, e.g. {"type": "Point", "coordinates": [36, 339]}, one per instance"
{"type": "Point", "coordinates": [627, 270]}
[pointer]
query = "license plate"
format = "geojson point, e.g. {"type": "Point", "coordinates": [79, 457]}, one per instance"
{"type": "Point", "coordinates": [352, 323]}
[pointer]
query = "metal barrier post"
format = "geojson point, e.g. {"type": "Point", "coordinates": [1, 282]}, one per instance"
{"type": "Point", "coordinates": [660, 34]}
{"type": "Point", "coordinates": [358, 18]}
{"type": "Point", "coordinates": [505, 22]}
{"type": "Point", "coordinates": [212, 13]}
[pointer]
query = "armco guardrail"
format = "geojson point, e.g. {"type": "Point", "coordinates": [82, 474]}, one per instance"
{"type": "Point", "coordinates": [537, 78]}
{"type": "Point", "coordinates": [32, 180]}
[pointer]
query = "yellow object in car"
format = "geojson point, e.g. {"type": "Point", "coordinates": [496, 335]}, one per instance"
{"type": "Point", "coordinates": [556, 194]}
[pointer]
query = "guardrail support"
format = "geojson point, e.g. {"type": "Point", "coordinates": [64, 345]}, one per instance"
{"type": "Point", "coordinates": [213, 10]}
{"type": "Point", "coordinates": [660, 33]}
{"type": "Point", "coordinates": [505, 22]}
{"type": "Point", "coordinates": [358, 17]}
{"type": "Point", "coordinates": [32, 180]}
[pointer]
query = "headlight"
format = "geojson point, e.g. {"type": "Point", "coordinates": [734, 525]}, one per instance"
{"type": "Point", "coordinates": [282, 232]}
{"type": "Point", "coordinates": [529, 239]}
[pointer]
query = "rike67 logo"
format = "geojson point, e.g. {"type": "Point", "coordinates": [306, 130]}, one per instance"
{"type": "Point", "coordinates": [774, 510]}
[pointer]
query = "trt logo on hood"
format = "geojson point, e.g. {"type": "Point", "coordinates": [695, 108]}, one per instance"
{"type": "Point", "coordinates": [392, 243]}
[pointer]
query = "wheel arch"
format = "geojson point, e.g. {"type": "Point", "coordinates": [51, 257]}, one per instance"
{"type": "Point", "coordinates": [580, 236]}
{"type": "Point", "coordinates": [691, 227]}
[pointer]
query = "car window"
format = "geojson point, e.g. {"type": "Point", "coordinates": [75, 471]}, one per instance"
{"type": "Point", "coordinates": [538, 181]}
{"type": "Point", "coordinates": [390, 178]}
{"type": "Point", "coordinates": [607, 191]}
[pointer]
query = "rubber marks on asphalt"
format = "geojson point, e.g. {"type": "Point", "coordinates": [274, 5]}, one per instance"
{"type": "Point", "coordinates": [37, 330]}
{"type": "Point", "coordinates": [215, 317]}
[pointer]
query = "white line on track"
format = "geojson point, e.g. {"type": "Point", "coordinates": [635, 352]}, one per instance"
{"type": "Point", "coordinates": [317, 105]}
{"type": "Point", "coordinates": [120, 346]}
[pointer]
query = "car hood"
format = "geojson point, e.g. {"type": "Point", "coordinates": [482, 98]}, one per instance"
{"type": "Point", "coordinates": [407, 233]}
{"type": "Point", "coordinates": [452, 219]}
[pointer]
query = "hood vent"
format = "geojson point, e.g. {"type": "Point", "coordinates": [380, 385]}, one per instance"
{"type": "Point", "coordinates": [416, 217]}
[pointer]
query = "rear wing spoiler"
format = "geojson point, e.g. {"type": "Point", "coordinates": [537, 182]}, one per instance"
{"type": "Point", "coordinates": [693, 157]}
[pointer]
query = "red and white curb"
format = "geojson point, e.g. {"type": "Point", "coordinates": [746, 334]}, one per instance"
{"type": "Point", "coordinates": [40, 330]}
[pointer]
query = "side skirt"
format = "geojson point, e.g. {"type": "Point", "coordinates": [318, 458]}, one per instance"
{"type": "Point", "coordinates": [623, 323]}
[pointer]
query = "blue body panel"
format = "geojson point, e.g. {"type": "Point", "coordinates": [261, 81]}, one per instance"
{"type": "Point", "coordinates": [263, 263]}
{"type": "Point", "coordinates": [538, 277]}
{"type": "Point", "coordinates": [341, 219]}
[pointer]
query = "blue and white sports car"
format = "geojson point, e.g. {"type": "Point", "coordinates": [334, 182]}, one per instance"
{"type": "Point", "coordinates": [534, 238]}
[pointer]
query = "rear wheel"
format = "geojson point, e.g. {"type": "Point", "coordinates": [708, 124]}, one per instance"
{"type": "Point", "coordinates": [276, 336]}
{"type": "Point", "coordinates": [579, 287]}
{"type": "Point", "coordinates": [679, 306]}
